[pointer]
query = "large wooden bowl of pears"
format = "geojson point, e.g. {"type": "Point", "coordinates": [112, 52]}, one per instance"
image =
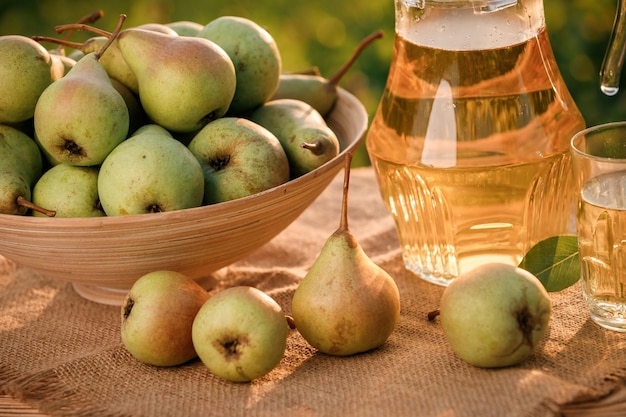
{"type": "Point", "coordinates": [103, 255]}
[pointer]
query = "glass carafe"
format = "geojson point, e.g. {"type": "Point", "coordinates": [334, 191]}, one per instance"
{"type": "Point", "coordinates": [470, 142]}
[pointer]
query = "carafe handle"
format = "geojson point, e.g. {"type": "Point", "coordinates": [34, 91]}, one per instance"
{"type": "Point", "coordinates": [614, 57]}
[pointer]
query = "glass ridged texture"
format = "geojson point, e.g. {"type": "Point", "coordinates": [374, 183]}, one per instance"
{"type": "Point", "coordinates": [470, 139]}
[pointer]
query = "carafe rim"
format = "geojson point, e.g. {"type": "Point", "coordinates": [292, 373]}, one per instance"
{"type": "Point", "coordinates": [481, 5]}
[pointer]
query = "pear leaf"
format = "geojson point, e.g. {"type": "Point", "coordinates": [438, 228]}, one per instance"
{"type": "Point", "coordinates": [554, 261]}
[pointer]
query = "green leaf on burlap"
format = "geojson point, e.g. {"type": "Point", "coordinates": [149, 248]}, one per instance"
{"type": "Point", "coordinates": [554, 261]}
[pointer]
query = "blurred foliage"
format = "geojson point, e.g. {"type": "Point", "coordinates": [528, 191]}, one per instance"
{"type": "Point", "coordinates": [324, 33]}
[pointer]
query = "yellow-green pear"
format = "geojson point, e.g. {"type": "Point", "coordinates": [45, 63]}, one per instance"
{"type": "Point", "coordinates": [20, 168]}
{"type": "Point", "coordinates": [22, 151]}
{"type": "Point", "coordinates": [184, 82]}
{"type": "Point", "coordinates": [157, 317]}
{"type": "Point", "coordinates": [495, 315]}
{"type": "Point", "coordinates": [302, 131]}
{"type": "Point", "coordinates": [80, 118]}
{"type": "Point", "coordinates": [148, 173]}
{"type": "Point", "coordinates": [157, 27]}
{"type": "Point", "coordinates": [13, 190]}
{"type": "Point", "coordinates": [185, 27]}
{"type": "Point", "coordinates": [318, 91]}
{"type": "Point", "coordinates": [151, 128]}
{"type": "Point", "coordinates": [26, 70]}
{"type": "Point", "coordinates": [69, 190]}
{"type": "Point", "coordinates": [240, 333]}
{"type": "Point", "coordinates": [255, 54]}
{"type": "Point", "coordinates": [346, 303]}
{"type": "Point", "coordinates": [112, 61]}
{"type": "Point", "coordinates": [239, 158]}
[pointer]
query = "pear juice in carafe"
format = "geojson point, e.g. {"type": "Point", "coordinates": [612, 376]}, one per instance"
{"type": "Point", "coordinates": [470, 142]}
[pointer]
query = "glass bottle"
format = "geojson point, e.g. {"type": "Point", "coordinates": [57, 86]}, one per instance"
{"type": "Point", "coordinates": [470, 142]}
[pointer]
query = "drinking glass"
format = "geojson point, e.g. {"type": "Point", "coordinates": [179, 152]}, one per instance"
{"type": "Point", "coordinates": [599, 168]}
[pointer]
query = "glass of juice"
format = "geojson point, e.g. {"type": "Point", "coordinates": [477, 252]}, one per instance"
{"type": "Point", "coordinates": [599, 167]}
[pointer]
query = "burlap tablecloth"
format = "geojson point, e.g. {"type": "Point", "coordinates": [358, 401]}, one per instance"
{"type": "Point", "coordinates": [62, 354]}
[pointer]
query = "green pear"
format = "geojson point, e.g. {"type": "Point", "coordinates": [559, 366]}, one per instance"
{"type": "Point", "coordinates": [69, 190]}
{"type": "Point", "coordinates": [240, 334]}
{"type": "Point", "coordinates": [185, 27]}
{"type": "Point", "coordinates": [62, 64]}
{"type": "Point", "coordinates": [157, 317]}
{"type": "Point", "coordinates": [20, 168]}
{"type": "Point", "coordinates": [319, 92]}
{"type": "Point", "coordinates": [76, 54]}
{"type": "Point", "coordinates": [157, 27]}
{"type": "Point", "coordinates": [14, 190]}
{"type": "Point", "coordinates": [80, 118]}
{"type": "Point", "coordinates": [255, 55]}
{"type": "Point", "coordinates": [184, 82]}
{"type": "Point", "coordinates": [151, 128]}
{"type": "Point", "coordinates": [301, 130]}
{"type": "Point", "coordinates": [136, 115]}
{"type": "Point", "coordinates": [26, 70]}
{"type": "Point", "coordinates": [495, 315]}
{"type": "Point", "coordinates": [150, 173]}
{"type": "Point", "coordinates": [239, 158]}
{"type": "Point", "coordinates": [112, 61]}
{"type": "Point", "coordinates": [48, 158]}
{"type": "Point", "coordinates": [22, 150]}
{"type": "Point", "coordinates": [346, 303]}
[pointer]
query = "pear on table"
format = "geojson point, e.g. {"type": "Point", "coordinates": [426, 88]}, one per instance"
{"type": "Point", "coordinates": [495, 315]}
{"type": "Point", "coordinates": [157, 317]}
{"type": "Point", "coordinates": [346, 303]}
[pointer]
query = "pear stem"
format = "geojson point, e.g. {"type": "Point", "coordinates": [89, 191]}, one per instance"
{"type": "Point", "coordinates": [316, 147]}
{"type": "Point", "coordinates": [90, 18]}
{"type": "Point", "coordinates": [82, 26]}
{"type": "Point", "coordinates": [25, 203]}
{"type": "Point", "coordinates": [432, 315]}
{"type": "Point", "coordinates": [343, 222]}
{"type": "Point", "coordinates": [346, 66]}
{"type": "Point", "coordinates": [62, 42]}
{"type": "Point", "coordinates": [290, 322]}
{"type": "Point", "coordinates": [118, 28]}
{"type": "Point", "coordinates": [72, 27]}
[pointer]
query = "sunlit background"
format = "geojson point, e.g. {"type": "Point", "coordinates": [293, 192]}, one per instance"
{"type": "Point", "coordinates": [323, 34]}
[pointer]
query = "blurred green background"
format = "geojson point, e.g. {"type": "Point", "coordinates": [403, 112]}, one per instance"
{"type": "Point", "coordinates": [323, 33]}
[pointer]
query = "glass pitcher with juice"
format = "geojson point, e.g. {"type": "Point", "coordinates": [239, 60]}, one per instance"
{"type": "Point", "coordinates": [470, 142]}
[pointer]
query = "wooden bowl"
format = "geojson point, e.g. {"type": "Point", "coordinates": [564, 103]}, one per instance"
{"type": "Point", "coordinates": [104, 256]}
